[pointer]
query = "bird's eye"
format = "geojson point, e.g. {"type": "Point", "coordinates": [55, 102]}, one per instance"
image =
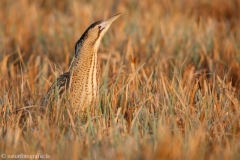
{"type": "Point", "coordinates": [101, 26]}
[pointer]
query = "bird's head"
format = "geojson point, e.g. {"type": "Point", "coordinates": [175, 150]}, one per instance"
{"type": "Point", "coordinates": [93, 35]}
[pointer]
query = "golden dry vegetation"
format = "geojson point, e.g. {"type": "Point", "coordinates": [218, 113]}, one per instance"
{"type": "Point", "coordinates": [170, 75]}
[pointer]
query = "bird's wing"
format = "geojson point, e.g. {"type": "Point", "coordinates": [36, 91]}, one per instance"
{"type": "Point", "coordinates": [57, 89]}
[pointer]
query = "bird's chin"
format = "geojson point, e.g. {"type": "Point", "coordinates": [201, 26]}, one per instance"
{"type": "Point", "coordinates": [104, 31]}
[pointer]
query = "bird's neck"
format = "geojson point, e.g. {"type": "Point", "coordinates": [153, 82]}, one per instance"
{"type": "Point", "coordinates": [84, 76]}
{"type": "Point", "coordinates": [84, 58]}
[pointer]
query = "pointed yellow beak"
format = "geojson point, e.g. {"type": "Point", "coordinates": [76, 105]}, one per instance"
{"type": "Point", "coordinates": [108, 22]}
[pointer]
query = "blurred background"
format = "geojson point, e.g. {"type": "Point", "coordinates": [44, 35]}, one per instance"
{"type": "Point", "coordinates": [168, 36]}
{"type": "Point", "coordinates": [170, 72]}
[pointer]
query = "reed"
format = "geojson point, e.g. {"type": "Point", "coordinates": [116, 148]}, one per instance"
{"type": "Point", "coordinates": [169, 82]}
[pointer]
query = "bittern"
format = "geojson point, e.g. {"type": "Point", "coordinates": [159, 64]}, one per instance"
{"type": "Point", "coordinates": [81, 82]}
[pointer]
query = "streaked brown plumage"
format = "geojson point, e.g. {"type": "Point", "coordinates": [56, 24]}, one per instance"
{"type": "Point", "coordinates": [81, 81]}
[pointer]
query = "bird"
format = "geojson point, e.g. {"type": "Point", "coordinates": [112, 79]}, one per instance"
{"type": "Point", "coordinates": [81, 81]}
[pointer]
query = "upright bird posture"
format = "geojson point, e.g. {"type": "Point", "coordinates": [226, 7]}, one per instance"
{"type": "Point", "coordinates": [81, 80]}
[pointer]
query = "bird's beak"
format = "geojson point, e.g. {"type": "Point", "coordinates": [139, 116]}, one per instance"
{"type": "Point", "coordinates": [108, 22]}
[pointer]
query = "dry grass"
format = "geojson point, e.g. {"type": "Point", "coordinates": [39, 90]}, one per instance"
{"type": "Point", "coordinates": [170, 79]}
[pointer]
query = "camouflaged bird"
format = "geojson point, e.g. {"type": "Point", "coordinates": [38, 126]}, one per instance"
{"type": "Point", "coordinates": [81, 81]}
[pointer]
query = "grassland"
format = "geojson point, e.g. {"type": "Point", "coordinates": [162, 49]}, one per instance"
{"type": "Point", "coordinates": [170, 74]}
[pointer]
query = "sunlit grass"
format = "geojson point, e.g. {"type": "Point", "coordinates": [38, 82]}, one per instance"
{"type": "Point", "coordinates": [169, 80]}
